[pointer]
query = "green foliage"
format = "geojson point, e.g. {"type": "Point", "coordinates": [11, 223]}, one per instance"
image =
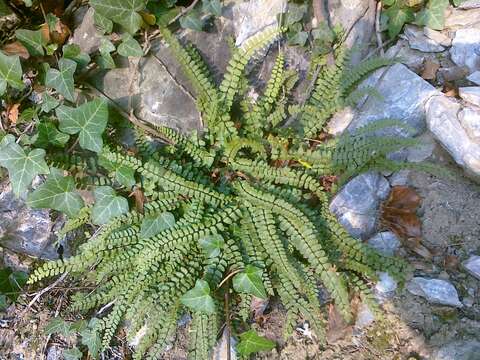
{"type": "Point", "coordinates": [199, 299]}
{"type": "Point", "coordinates": [58, 325]}
{"type": "Point", "coordinates": [129, 46]}
{"type": "Point", "coordinates": [34, 41]}
{"type": "Point", "coordinates": [11, 284]}
{"type": "Point", "coordinates": [10, 72]}
{"type": "Point", "coordinates": [107, 205]}
{"type": "Point", "coordinates": [251, 342]}
{"type": "Point", "coordinates": [152, 225]}
{"type": "Point", "coordinates": [249, 281]}
{"type": "Point", "coordinates": [72, 354]}
{"type": "Point", "coordinates": [122, 12]}
{"type": "Point", "coordinates": [62, 79]}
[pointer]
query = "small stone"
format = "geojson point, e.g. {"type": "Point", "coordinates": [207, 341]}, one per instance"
{"type": "Point", "coordinates": [411, 58]}
{"type": "Point", "coordinates": [470, 120]}
{"type": "Point", "coordinates": [385, 242]}
{"type": "Point", "coordinates": [419, 41]}
{"type": "Point", "coordinates": [472, 265]}
{"type": "Point", "coordinates": [220, 351]}
{"type": "Point", "coordinates": [435, 291]}
{"type": "Point", "coordinates": [443, 122]}
{"type": "Point", "coordinates": [460, 19]}
{"type": "Point", "coordinates": [365, 317]}
{"type": "Point", "coordinates": [468, 301]}
{"type": "Point", "coordinates": [470, 94]}
{"type": "Point", "coordinates": [437, 36]}
{"type": "Point", "coordinates": [452, 73]}
{"type": "Point", "coordinates": [458, 350]}
{"type": "Point", "coordinates": [86, 35]}
{"type": "Point", "coordinates": [469, 4]}
{"type": "Point", "coordinates": [356, 204]}
{"type": "Point", "coordinates": [399, 178]}
{"type": "Point", "coordinates": [385, 287]}
{"type": "Point", "coordinates": [474, 77]}
{"type": "Point", "coordinates": [340, 121]}
{"type": "Point", "coordinates": [465, 50]}
{"type": "Point", "coordinates": [423, 151]}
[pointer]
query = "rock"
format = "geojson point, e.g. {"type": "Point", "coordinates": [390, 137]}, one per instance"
{"type": "Point", "coordinates": [399, 178]}
{"type": "Point", "coordinates": [458, 350]}
{"type": "Point", "coordinates": [474, 77]}
{"type": "Point", "coordinates": [86, 34]}
{"type": "Point", "coordinates": [437, 36]}
{"type": "Point", "coordinates": [411, 58]}
{"type": "Point", "coordinates": [423, 151]}
{"type": "Point", "coordinates": [459, 19]}
{"type": "Point", "coordinates": [340, 121]}
{"type": "Point", "coordinates": [404, 96]}
{"type": "Point", "coordinates": [419, 41]}
{"type": "Point", "coordinates": [220, 351]}
{"type": "Point", "coordinates": [465, 50]}
{"type": "Point", "coordinates": [469, 4]}
{"type": "Point", "coordinates": [364, 317]}
{"type": "Point", "coordinates": [443, 122]}
{"type": "Point", "coordinates": [472, 265]}
{"type": "Point", "coordinates": [435, 291]}
{"type": "Point", "coordinates": [470, 120]}
{"type": "Point", "coordinates": [470, 94]}
{"type": "Point", "coordinates": [254, 16]}
{"type": "Point", "coordinates": [452, 73]}
{"type": "Point", "coordinates": [54, 353]}
{"type": "Point", "coordinates": [24, 230]}
{"type": "Point", "coordinates": [357, 203]}
{"type": "Point", "coordinates": [357, 18]}
{"type": "Point", "coordinates": [385, 287]}
{"type": "Point", "coordinates": [385, 242]}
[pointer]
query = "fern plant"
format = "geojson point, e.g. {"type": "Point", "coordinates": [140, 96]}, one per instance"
{"type": "Point", "coordinates": [241, 204]}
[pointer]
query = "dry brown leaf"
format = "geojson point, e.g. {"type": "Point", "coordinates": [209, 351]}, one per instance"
{"type": "Point", "coordinates": [450, 90]}
{"type": "Point", "coordinates": [257, 307]}
{"type": "Point", "coordinates": [60, 33]}
{"type": "Point", "coordinates": [337, 327]}
{"type": "Point", "coordinates": [451, 262]}
{"type": "Point", "coordinates": [12, 113]}
{"type": "Point", "coordinates": [430, 69]}
{"type": "Point", "coordinates": [16, 48]}
{"type": "Point", "coordinates": [139, 197]}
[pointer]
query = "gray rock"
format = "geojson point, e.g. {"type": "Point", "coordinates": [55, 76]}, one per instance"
{"type": "Point", "coordinates": [86, 34]}
{"type": "Point", "coordinates": [437, 36]}
{"type": "Point", "coordinates": [254, 16]}
{"type": "Point", "coordinates": [470, 94]}
{"type": "Point", "coordinates": [459, 19]}
{"type": "Point", "coordinates": [399, 178]}
{"type": "Point", "coordinates": [364, 317]}
{"type": "Point", "coordinates": [423, 151]}
{"type": "Point", "coordinates": [443, 122]}
{"type": "Point", "coordinates": [411, 58]}
{"type": "Point", "coordinates": [469, 4]}
{"type": "Point", "coordinates": [357, 17]}
{"type": "Point", "coordinates": [465, 50]}
{"type": "Point", "coordinates": [474, 77]}
{"type": "Point", "coordinates": [385, 287]}
{"type": "Point", "coordinates": [458, 350]}
{"type": "Point", "coordinates": [452, 73]}
{"type": "Point", "coordinates": [24, 230]}
{"type": "Point", "coordinates": [404, 96]}
{"type": "Point", "coordinates": [55, 353]}
{"type": "Point", "coordinates": [472, 265]}
{"type": "Point", "coordinates": [385, 242]}
{"type": "Point", "coordinates": [357, 203]}
{"type": "Point", "coordinates": [220, 351]}
{"type": "Point", "coordinates": [419, 41]}
{"type": "Point", "coordinates": [435, 291]}
{"type": "Point", "coordinates": [470, 119]}
{"type": "Point", "coordinates": [340, 121]}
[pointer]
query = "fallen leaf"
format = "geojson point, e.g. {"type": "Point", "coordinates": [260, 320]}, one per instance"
{"type": "Point", "coordinates": [451, 262]}
{"type": "Point", "coordinates": [257, 307]}
{"type": "Point", "coordinates": [337, 327]}
{"type": "Point", "coordinates": [12, 113]}
{"type": "Point", "coordinates": [139, 197]}
{"type": "Point", "coordinates": [16, 48]}
{"type": "Point", "coordinates": [450, 90]}
{"type": "Point", "coordinates": [430, 69]}
{"type": "Point", "coordinates": [60, 33]}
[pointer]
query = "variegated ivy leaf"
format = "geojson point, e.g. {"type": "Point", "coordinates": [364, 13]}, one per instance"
{"type": "Point", "coordinates": [250, 281]}
{"type": "Point", "coordinates": [10, 71]}
{"type": "Point", "coordinates": [88, 120]}
{"type": "Point", "coordinates": [34, 41]}
{"type": "Point", "coordinates": [105, 25]}
{"type": "Point", "coordinates": [212, 245]}
{"type": "Point", "coordinates": [107, 205]}
{"type": "Point", "coordinates": [48, 135]}
{"type": "Point", "coordinates": [152, 225]}
{"type": "Point", "coordinates": [92, 341]}
{"type": "Point", "coordinates": [57, 193]}
{"type": "Point", "coordinates": [251, 342]}
{"type": "Point", "coordinates": [122, 12]}
{"type": "Point", "coordinates": [129, 47]}
{"type": "Point", "coordinates": [199, 298]}
{"type": "Point", "coordinates": [58, 325]}
{"type": "Point", "coordinates": [48, 102]}
{"type": "Point", "coordinates": [22, 168]}
{"type": "Point", "coordinates": [125, 176]}
{"type": "Point", "coordinates": [62, 79]}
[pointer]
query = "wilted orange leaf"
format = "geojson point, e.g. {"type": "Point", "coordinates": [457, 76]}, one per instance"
{"type": "Point", "coordinates": [12, 113]}
{"type": "Point", "coordinates": [16, 48]}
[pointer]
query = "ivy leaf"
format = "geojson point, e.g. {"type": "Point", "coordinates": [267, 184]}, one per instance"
{"type": "Point", "coordinates": [251, 342]}
{"type": "Point", "coordinates": [152, 225]}
{"type": "Point", "coordinates": [11, 283]}
{"type": "Point", "coordinates": [249, 281]}
{"type": "Point", "coordinates": [107, 205]}
{"type": "Point", "coordinates": [212, 245]}
{"type": "Point", "coordinates": [130, 47]}
{"type": "Point", "coordinates": [105, 25]}
{"type": "Point", "coordinates": [48, 134]}
{"type": "Point", "coordinates": [163, 14]}
{"type": "Point", "coordinates": [198, 298]}
{"type": "Point", "coordinates": [73, 52]}
{"type": "Point", "coordinates": [212, 7]}
{"type": "Point", "coordinates": [11, 71]}
{"type": "Point", "coordinates": [125, 176]}
{"type": "Point", "coordinates": [92, 341]}
{"type": "Point", "coordinates": [88, 120]}
{"type": "Point", "coordinates": [58, 326]}
{"type": "Point", "coordinates": [62, 80]}
{"type": "Point", "coordinates": [192, 21]}
{"type": "Point", "coordinates": [299, 38]}
{"type": "Point", "coordinates": [3, 302]}
{"type": "Point", "coordinates": [105, 60]}
{"type": "Point", "coordinates": [72, 354]}
{"type": "Point", "coordinates": [295, 13]}
{"type": "Point", "coordinates": [48, 102]}
{"type": "Point", "coordinates": [433, 16]}
{"type": "Point", "coordinates": [57, 193]}
{"type": "Point", "coordinates": [22, 168]}
{"type": "Point", "coordinates": [397, 17]}
{"type": "Point", "coordinates": [123, 12]}
{"type": "Point", "coordinates": [34, 41]}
